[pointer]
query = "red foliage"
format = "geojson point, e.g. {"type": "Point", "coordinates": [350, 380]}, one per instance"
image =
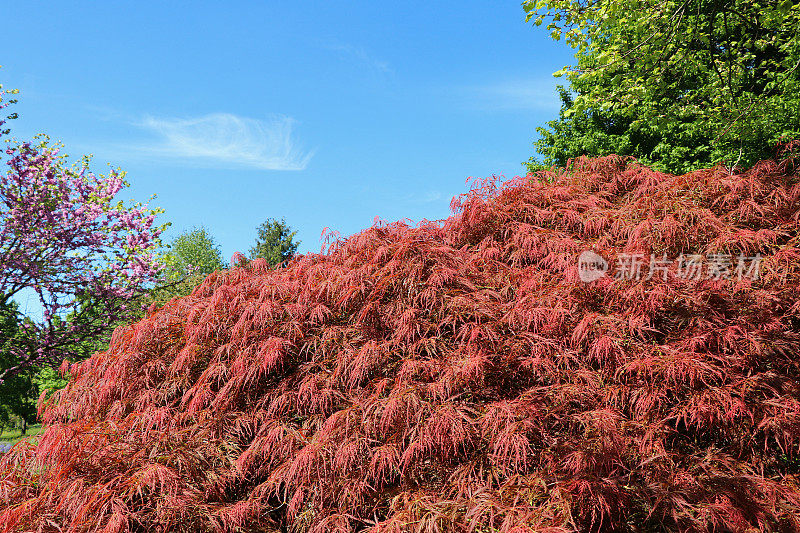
{"type": "Point", "coordinates": [456, 377]}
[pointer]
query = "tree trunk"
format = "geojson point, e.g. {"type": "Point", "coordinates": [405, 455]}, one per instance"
{"type": "Point", "coordinates": [24, 426]}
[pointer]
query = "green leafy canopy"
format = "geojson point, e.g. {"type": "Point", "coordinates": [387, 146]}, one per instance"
{"type": "Point", "coordinates": [275, 242]}
{"type": "Point", "coordinates": [677, 84]}
{"type": "Point", "coordinates": [192, 253]}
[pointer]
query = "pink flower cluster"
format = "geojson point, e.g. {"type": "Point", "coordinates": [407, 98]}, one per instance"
{"type": "Point", "coordinates": [63, 237]}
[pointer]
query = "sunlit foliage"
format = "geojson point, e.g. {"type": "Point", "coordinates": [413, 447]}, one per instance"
{"type": "Point", "coordinates": [456, 376]}
{"type": "Point", "coordinates": [679, 84]}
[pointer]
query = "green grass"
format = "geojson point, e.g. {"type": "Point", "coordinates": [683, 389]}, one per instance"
{"type": "Point", "coordinates": [14, 435]}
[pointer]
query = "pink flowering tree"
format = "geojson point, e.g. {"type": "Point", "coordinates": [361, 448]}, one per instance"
{"type": "Point", "coordinates": [66, 243]}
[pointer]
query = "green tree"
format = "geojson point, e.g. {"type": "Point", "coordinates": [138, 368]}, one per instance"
{"type": "Point", "coordinates": [18, 392]}
{"type": "Point", "coordinates": [49, 380]}
{"type": "Point", "coordinates": [191, 254]}
{"type": "Point", "coordinates": [189, 258]}
{"type": "Point", "coordinates": [677, 84]}
{"type": "Point", "coordinates": [275, 242]}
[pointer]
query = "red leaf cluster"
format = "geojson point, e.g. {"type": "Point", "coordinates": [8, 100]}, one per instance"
{"type": "Point", "coordinates": [456, 376]}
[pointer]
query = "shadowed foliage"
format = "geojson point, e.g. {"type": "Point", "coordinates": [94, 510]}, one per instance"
{"type": "Point", "coordinates": [456, 376]}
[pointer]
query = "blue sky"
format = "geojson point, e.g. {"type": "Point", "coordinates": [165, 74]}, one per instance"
{"type": "Point", "coordinates": [326, 113]}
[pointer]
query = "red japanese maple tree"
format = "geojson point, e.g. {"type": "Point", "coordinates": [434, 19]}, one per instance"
{"type": "Point", "coordinates": [458, 376]}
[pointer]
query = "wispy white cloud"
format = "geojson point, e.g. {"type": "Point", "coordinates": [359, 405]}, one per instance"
{"type": "Point", "coordinates": [106, 113]}
{"type": "Point", "coordinates": [525, 94]}
{"type": "Point", "coordinates": [359, 55]}
{"type": "Point", "coordinates": [424, 197]}
{"type": "Point", "coordinates": [431, 196]}
{"type": "Point", "coordinates": [229, 140]}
